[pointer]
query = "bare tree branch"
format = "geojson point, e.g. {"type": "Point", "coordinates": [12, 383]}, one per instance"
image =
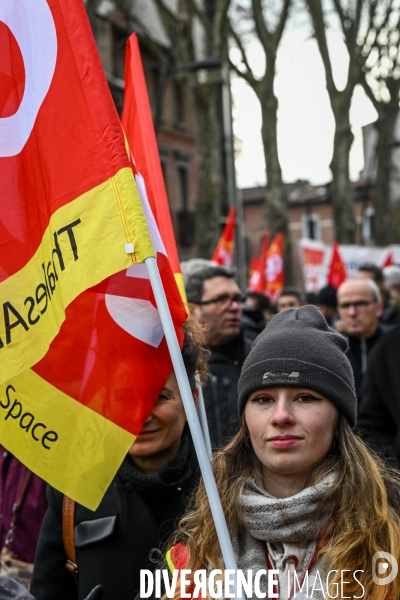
{"type": "Point", "coordinates": [315, 8]}
{"type": "Point", "coordinates": [244, 74]}
{"type": "Point", "coordinates": [220, 24]}
{"type": "Point", "coordinates": [340, 13]}
{"type": "Point", "coordinates": [276, 201]}
{"type": "Point", "coordinates": [165, 12]}
{"type": "Point", "coordinates": [370, 94]}
{"type": "Point", "coordinates": [282, 21]}
{"type": "Point", "coordinates": [261, 29]}
{"type": "Point", "coordinates": [201, 16]}
{"type": "Point", "coordinates": [248, 74]}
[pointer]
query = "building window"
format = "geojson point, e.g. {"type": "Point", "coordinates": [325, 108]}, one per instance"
{"type": "Point", "coordinates": [164, 152]}
{"type": "Point", "coordinates": [311, 227]}
{"type": "Point", "coordinates": [367, 226]}
{"type": "Point", "coordinates": [183, 188]}
{"type": "Point", "coordinates": [179, 106]}
{"type": "Point", "coordinates": [182, 161]}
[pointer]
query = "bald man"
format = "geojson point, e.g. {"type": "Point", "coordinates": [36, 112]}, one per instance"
{"type": "Point", "coordinates": [360, 306]}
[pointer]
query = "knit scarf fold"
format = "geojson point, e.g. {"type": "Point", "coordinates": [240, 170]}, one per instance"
{"type": "Point", "coordinates": [163, 482]}
{"type": "Point", "coordinates": [288, 528]}
{"type": "Point", "coordinates": [295, 519]}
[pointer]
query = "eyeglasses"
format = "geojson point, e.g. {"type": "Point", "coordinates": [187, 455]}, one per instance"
{"type": "Point", "coordinates": [356, 304]}
{"type": "Point", "coordinates": [223, 300]}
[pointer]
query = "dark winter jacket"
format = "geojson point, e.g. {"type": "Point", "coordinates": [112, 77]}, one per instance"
{"type": "Point", "coordinates": [220, 393]}
{"type": "Point", "coordinates": [253, 323]}
{"type": "Point", "coordinates": [358, 355]}
{"type": "Point", "coordinates": [125, 534]}
{"type": "Point", "coordinates": [12, 478]}
{"type": "Point", "coordinates": [390, 314]}
{"type": "Point", "coordinates": [11, 590]}
{"type": "Point", "coordinates": [379, 417]}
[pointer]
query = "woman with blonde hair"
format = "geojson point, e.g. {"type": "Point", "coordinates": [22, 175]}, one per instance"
{"type": "Point", "coordinates": [302, 494]}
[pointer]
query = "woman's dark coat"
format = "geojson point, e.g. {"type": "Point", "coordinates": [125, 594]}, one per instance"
{"type": "Point", "coordinates": [116, 541]}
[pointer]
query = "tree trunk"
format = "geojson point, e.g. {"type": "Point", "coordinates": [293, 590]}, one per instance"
{"type": "Point", "coordinates": [210, 183]}
{"type": "Point", "coordinates": [383, 211]}
{"type": "Point", "coordinates": [276, 201]}
{"type": "Point", "coordinates": [342, 195]}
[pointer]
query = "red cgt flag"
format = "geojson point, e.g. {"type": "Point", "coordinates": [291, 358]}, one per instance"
{"type": "Point", "coordinates": [223, 254]}
{"type": "Point", "coordinates": [262, 261]}
{"type": "Point", "coordinates": [274, 270]}
{"type": "Point", "coordinates": [138, 125]}
{"type": "Point", "coordinates": [337, 271]}
{"type": "Point", "coordinates": [70, 218]}
{"type": "Point", "coordinates": [254, 274]}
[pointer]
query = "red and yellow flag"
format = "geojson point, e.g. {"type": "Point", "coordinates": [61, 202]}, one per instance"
{"type": "Point", "coordinates": [70, 218]}
{"type": "Point", "coordinates": [337, 273]}
{"type": "Point", "coordinates": [274, 269]}
{"type": "Point", "coordinates": [223, 254]}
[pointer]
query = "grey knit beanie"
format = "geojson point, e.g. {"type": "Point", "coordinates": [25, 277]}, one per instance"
{"type": "Point", "coordinates": [299, 349]}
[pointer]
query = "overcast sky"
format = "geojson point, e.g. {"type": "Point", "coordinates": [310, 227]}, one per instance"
{"type": "Point", "coordinates": [305, 120]}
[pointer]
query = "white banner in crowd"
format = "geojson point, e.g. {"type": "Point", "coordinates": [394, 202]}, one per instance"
{"type": "Point", "coordinates": [315, 258]}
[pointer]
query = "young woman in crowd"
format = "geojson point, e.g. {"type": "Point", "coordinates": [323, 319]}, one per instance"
{"type": "Point", "coordinates": [301, 492]}
{"type": "Point", "coordinates": [139, 511]}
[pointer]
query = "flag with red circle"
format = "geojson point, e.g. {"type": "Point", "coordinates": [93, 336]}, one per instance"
{"type": "Point", "coordinates": [84, 355]}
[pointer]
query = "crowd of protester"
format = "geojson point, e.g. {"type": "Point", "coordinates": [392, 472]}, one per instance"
{"type": "Point", "coordinates": [327, 375]}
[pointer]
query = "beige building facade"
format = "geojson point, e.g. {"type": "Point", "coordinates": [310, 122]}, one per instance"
{"type": "Point", "coordinates": [310, 216]}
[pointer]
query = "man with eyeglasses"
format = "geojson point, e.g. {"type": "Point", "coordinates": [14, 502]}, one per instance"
{"type": "Point", "coordinates": [216, 301]}
{"type": "Point", "coordinates": [360, 306]}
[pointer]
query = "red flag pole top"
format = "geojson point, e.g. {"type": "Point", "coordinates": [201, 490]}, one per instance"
{"type": "Point", "coordinates": [223, 254]}
{"type": "Point", "coordinates": [337, 273]}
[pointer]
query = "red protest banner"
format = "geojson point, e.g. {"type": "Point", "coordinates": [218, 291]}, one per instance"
{"type": "Point", "coordinates": [223, 254]}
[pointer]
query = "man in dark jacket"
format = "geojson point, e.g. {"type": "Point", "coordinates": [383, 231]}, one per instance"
{"type": "Point", "coordinates": [360, 306]}
{"type": "Point", "coordinates": [216, 301]}
{"type": "Point", "coordinates": [379, 418]}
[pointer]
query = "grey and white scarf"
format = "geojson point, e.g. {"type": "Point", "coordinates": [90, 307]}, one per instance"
{"type": "Point", "coordinates": [289, 528]}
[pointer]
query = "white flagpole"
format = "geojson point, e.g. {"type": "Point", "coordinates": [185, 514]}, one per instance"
{"type": "Point", "coordinates": [192, 417]}
{"type": "Point", "coordinates": [201, 410]}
